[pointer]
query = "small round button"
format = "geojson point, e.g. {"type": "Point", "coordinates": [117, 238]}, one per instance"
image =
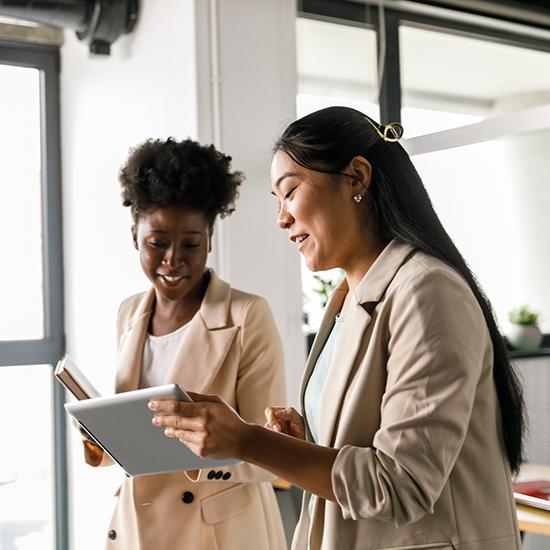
{"type": "Point", "coordinates": [219, 474]}
{"type": "Point", "coordinates": [211, 474]}
{"type": "Point", "coordinates": [227, 475]}
{"type": "Point", "coordinates": [112, 534]}
{"type": "Point", "coordinates": [187, 497]}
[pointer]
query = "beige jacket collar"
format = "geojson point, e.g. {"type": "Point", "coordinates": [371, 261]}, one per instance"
{"type": "Point", "coordinates": [351, 340]}
{"type": "Point", "coordinates": [201, 351]}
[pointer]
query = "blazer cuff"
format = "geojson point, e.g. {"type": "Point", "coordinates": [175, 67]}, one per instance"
{"type": "Point", "coordinates": [339, 483]}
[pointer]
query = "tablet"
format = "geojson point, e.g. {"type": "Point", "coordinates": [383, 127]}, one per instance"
{"type": "Point", "coordinates": [121, 425]}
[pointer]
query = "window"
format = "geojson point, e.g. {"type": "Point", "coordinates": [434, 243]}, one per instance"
{"type": "Point", "coordinates": [466, 90]}
{"type": "Point", "coordinates": [326, 78]}
{"type": "Point", "coordinates": [33, 493]}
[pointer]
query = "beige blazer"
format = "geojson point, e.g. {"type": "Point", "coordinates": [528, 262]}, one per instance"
{"type": "Point", "coordinates": [410, 402]}
{"type": "Point", "coordinates": [232, 349]}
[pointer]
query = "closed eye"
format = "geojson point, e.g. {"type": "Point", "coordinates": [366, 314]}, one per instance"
{"type": "Point", "coordinates": [157, 244]}
{"type": "Point", "coordinates": [287, 196]}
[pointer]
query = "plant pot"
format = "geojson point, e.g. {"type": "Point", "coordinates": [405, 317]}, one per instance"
{"type": "Point", "coordinates": [525, 337]}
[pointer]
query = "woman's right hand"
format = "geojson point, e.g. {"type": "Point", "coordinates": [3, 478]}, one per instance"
{"type": "Point", "coordinates": [286, 420]}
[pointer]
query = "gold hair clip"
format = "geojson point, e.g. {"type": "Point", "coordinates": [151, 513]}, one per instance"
{"type": "Point", "coordinates": [393, 131]}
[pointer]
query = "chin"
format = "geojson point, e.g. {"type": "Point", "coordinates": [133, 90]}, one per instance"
{"type": "Point", "coordinates": [314, 266]}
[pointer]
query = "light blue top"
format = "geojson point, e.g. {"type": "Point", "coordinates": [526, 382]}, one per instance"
{"type": "Point", "coordinates": [314, 388]}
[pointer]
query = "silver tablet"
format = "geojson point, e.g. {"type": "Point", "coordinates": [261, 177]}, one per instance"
{"type": "Point", "coordinates": [121, 425]}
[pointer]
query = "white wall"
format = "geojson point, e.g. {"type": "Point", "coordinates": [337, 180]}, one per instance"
{"type": "Point", "coordinates": [247, 82]}
{"type": "Point", "coordinates": [146, 88]}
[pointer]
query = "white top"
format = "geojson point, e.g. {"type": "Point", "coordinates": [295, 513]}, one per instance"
{"type": "Point", "coordinates": [158, 354]}
{"type": "Point", "coordinates": [315, 385]}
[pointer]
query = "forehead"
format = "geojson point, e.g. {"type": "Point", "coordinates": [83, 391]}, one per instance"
{"type": "Point", "coordinates": [173, 219]}
{"type": "Point", "coordinates": [283, 167]}
{"type": "Point", "coordinates": [281, 164]}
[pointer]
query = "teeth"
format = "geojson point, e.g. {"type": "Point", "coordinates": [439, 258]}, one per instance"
{"type": "Point", "coordinates": [171, 279]}
{"type": "Point", "coordinates": [300, 238]}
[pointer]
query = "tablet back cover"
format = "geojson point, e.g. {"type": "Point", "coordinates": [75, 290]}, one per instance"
{"type": "Point", "coordinates": [121, 424]}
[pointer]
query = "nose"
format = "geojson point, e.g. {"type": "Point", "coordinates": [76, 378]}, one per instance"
{"type": "Point", "coordinates": [284, 219]}
{"type": "Point", "coordinates": [173, 257]}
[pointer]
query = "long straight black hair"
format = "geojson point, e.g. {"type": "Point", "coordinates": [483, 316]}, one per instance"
{"type": "Point", "coordinates": [326, 141]}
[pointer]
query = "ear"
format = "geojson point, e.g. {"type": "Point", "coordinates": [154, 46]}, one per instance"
{"type": "Point", "coordinates": [361, 169]}
{"type": "Point", "coordinates": [134, 236]}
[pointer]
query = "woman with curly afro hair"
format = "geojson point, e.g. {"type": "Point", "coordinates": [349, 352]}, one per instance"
{"type": "Point", "coordinates": [191, 328]}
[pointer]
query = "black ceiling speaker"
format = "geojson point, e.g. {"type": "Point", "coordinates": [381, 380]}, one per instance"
{"type": "Point", "coordinates": [98, 22]}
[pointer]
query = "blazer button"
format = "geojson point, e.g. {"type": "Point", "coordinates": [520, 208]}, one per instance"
{"type": "Point", "coordinates": [227, 475]}
{"type": "Point", "coordinates": [219, 475]}
{"type": "Point", "coordinates": [112, 534]}
{"type": "Point", "coordinates": [187, 497]}
{"type": "Point", "coordinates": [211, 474]}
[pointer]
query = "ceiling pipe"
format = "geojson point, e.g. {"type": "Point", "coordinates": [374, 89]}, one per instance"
{"type": "Point", "coordinates": [99, 23]}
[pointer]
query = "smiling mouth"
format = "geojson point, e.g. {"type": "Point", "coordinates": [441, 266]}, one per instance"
{"type": "Point", "coordinates": [171, 280]}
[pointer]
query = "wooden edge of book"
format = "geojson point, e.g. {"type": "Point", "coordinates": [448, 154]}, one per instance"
{"type": "Point", "coordinates": [71, 384]}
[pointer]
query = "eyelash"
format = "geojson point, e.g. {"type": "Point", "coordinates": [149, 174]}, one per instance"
{"type": "Point", "coordinates": [289, 193]}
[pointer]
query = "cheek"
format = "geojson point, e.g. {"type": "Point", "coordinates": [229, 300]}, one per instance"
{"type": "Point", "coordinates": [149, 258]}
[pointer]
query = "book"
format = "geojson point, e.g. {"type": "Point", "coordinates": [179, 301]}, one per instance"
{"type": "Point", "coordinates": [74, 380]}
{"type": "Point", "coordinates": [533, 493]}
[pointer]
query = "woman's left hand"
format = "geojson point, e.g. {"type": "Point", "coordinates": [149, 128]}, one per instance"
{"type": "Point", "coordinates": [207, 425]}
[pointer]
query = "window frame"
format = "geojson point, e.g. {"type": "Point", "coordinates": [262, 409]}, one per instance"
{"type": "Point", "coordinates": [51, 347]}
{"type": "Point", "coordinates": [366, 15]}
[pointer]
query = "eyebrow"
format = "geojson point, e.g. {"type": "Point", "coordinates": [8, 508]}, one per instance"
{"type": "Point", "coordinates": [190, 232]}
{"type": "Point", "coordinates": [285, 175]}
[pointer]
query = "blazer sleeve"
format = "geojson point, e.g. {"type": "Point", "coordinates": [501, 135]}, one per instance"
{"type": "Point", "coordinates": [94, 455]}
{"type": "Point", "coordinates": [260, 384]}
{"type": "Point", "coordinates": [437, 345]}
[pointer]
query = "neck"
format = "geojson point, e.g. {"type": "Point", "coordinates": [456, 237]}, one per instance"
{"type": "Point", "coordinates": [362, 262]}
{"type": "Point", "coordinates": [184, 308]}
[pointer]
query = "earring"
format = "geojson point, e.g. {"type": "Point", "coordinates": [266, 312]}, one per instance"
{"type": "Point", "coordinates": [357, 198]}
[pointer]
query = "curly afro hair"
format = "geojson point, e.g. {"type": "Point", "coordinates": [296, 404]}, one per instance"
{"type": "Point", "coordinates": [168, 172]}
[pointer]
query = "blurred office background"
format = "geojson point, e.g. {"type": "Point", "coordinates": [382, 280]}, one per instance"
{"type": "Point", "coordinates": [469, 81]}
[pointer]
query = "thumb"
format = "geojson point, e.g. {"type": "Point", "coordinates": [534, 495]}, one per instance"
{"type": "Point", "coordinates": [201, 397]}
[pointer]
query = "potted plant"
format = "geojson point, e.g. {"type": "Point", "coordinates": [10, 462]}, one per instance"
{"type": "Point", "coordinates": [324, 289]}
{"type": "Point", "coordinates": [524, 334]}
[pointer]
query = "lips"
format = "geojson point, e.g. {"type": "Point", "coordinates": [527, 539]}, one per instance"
{"type": "Point", "coordinates": [171, 280]}
{"type": "Point", "coordinates": [298, 237]}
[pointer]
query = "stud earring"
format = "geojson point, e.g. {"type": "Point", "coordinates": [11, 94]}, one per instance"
{"type": "Point", "coordinates": [357, 198]}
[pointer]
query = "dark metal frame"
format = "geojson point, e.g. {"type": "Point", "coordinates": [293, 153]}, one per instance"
{"type": "Point", "coordinates": [357, 14]}
{"type": "Point", "coordinates": [50, 348]}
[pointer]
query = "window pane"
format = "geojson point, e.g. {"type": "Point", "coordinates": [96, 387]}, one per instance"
{"type": "Point", "coordinates": [26, 495]}
{"type": "Point", "coordinates": [20, 219]}
{"type": "Point", "coordinates": [493, 198]}
{"type": "Point", "coordinates": [329, 75]}
{"type": "Point", "coordinates": [449, 81]}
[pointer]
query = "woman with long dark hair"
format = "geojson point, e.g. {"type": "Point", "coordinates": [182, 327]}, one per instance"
{"type": "Point", "coordinates": [412, 415]}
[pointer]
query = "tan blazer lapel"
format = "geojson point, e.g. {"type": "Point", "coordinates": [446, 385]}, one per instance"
{"type": "Point", "coordinates": [352, 344]}
{"type": "Point", "coordinates": [332, 308]}
{"type": "Point", "coordinates": [348, 347]}
{"type": "Point", "coordinates": [132, 341]}
{"type": "Point", "coordinates": [207, 341]}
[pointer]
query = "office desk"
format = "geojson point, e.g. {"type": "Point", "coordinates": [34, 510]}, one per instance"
{"type": "Point", "coordinates": [533, 520]}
